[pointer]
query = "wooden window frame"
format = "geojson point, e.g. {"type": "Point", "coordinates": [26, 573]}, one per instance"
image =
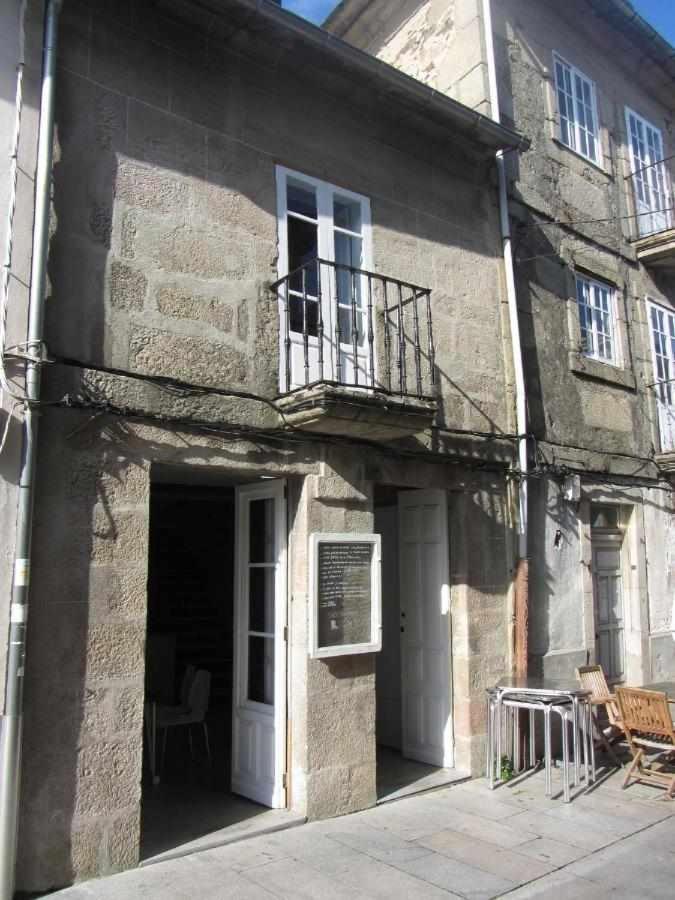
{"type": "Point", "coordinates": [648, 178]}
{"type": "Point", "coordinates": [588, 321]}
{"type": "Point", "coordinates": [577, 133]}
{"type": "Point", "coordinates": [663, 362]}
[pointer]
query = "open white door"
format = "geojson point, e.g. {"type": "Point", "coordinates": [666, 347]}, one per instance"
{"type": "Point", "coordinates": [259, 701]}
{"type": "Point", "coordinates": [425, 627]}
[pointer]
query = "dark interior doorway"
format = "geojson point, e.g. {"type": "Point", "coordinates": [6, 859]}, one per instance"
{"type": "Point", "coordinates": [189, 631]}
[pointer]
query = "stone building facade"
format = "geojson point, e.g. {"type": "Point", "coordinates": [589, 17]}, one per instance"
{"type": "Point", "coordinates": [592, 86]}
{"type": "Point", "coordinates": [188, 136]}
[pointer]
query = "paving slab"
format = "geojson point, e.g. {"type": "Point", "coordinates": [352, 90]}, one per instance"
{"type": "Point", "coordinates": [552, 852]}
{"type": "Point", "coordinates": [567, 832]}
{"type": "Point", "coordinates": [295, 880]}
{"type": "Point", "coordinates": [462, 842]}
{"type": "Point", "coordinates": [566, 886]}
{"type": "Point", "coordinates": [509, 863]}
{"type": "Point", "coordinates": [382, 845]}
{"type": "Point", "coordinates": [458, 877]}
{"type": "Point", "coordinates": [384, 882]}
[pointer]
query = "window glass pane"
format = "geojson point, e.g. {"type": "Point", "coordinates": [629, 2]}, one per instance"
{"type": "Point", "coordinates": [596, 319]}
{"type": "Point", "coordinates": [261, 670]}
{"type": "Point", "coordinates": [302, 248]}
{"type": "Point", "coordinates": [301, 199]}
{"type": "Point", "coordinates": [564, 130]}
{"type": "Point", "coordinates": [347, 214]}
{"type": "Point", "coordinates": [348, 253]}
{"type": "Point", "coordinates": [348, 249]}
{"type": "Point", "coordinates": [297, 313]}
{"type": "Point", "coordinates": [261, 531]}
{"type": "Point", "coordinates": [604, 516]}
{"type": "Point", "coordinates": [261, 599]}
{"type": "Point", "coordinates": [349, 286]}
{"type": "Point", "coordinates": [345, 319]}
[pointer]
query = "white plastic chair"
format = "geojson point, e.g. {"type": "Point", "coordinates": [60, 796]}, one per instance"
{"type": "Point", "coordinates": [192, 710]}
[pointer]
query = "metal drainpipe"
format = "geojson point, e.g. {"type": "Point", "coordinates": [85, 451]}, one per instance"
{"type": "Point", "coordinates": [522, 565]}
{"type": "Point", "coordinates": [10, 742]}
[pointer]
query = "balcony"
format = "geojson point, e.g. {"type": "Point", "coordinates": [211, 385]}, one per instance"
{"type": "Point", "coordinates": [654, 231]}
{"type": "Point", "coordinates": [357, 352]}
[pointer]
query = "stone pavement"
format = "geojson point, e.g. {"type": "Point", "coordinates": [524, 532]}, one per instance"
{"type": "Point", "coordinates": [464, 841]}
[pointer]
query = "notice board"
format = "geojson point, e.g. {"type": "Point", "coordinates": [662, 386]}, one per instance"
{"type": "Point", "coordinates": [346, 594]}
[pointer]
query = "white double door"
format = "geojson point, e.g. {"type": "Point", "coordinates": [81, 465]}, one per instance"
{"type": "Point", "coordinates": [323, 305]}
{"type": "Point", "coordinates": [259, 697]}
{"type": "Point", "coordinates": [426, 676]}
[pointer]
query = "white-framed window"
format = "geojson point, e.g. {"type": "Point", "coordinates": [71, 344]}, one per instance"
{"type": "Point", "coordinates": [577, 110]}
{"type": "Point", "coordinates": [596, 302]}
{"type": "Point", "coordinates": [318, 220]}
{"type": "Point", "coordinates": [662, 330]}
{"type": "Point", "coordinates": [649, 178]}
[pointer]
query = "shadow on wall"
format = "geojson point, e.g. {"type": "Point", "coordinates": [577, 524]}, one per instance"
{"type": "Point", "coordinates": [163, 236]}
{"type": "Point", "coordinates": [556, 591]}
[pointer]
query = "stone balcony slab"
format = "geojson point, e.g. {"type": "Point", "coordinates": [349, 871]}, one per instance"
{"type": "Point", "coordinates": [657, 249]}
{"type": "Point", "coordinates": [331, 409]}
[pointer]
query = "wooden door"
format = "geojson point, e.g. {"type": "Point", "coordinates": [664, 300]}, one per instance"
{"type": "Point", "coordinates": [608, 603]}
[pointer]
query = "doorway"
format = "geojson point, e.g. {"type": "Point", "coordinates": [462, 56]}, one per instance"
{"type": "Point", "coordinates": [215, 669]}
{"type": "Point", "coordinates": [608, 595]}
{"type": "Point", "coordinates": [413, 670]}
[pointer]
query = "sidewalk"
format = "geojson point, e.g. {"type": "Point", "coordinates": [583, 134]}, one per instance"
{"type": "Point", "coordinates": [465, 841]}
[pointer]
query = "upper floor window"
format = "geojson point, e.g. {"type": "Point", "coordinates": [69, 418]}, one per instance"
{"type": "Point", "coordinates": [648, 175]}
{"type": "Point", "coordinates": [577, 110]}
{"type": "Point", "coordinates": [662, 327]}
{"type": "Point", "coordinates": [326, 329]}
{"type": "Point", "coordinates": [597, 318]}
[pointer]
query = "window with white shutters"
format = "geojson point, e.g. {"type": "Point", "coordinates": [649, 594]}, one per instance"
{"type": "Point", "coordinates": [597, 319]}
{"type": "Point", "coordinates": [577, 110]}
{"type": "Point", "coordinates": [662, 327]}
{"type": "Point", "coordinates": [648, 175]}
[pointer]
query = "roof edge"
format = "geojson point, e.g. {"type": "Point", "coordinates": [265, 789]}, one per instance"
{"type": "Point", "coordinates": [617, 13]}
{"type": "Point", "coordinates": [472, 124]}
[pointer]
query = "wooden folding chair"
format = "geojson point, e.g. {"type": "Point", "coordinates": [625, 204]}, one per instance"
{"type": "Point", "coordinates": [649, 729]}
{"type": "Point", "coordinates": [592, 678]}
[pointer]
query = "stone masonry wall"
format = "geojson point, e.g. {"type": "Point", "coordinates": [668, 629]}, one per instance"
{"type": "Point", "coordinates": [586, 415]}
{"type": "Point", "coordinates": [84, 679]}
{"type": "Point", "coordinates": [163, 238]}
{"type": "Point", "coordinates": [333, 743]}
{"type": "Point", "coordinates": [165, 214]}
{"type": "Point", "coordinates": [83, 738]}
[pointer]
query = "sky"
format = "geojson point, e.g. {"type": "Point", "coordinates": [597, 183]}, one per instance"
{"type": "Point", "coordinates": [659, 13]}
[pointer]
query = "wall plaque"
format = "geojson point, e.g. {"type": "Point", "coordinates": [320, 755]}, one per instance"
{"type": "Point", "coordinates": [346, 594]}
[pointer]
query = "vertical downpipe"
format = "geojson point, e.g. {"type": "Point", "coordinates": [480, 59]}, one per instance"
{"type": "Point", "coordinates": [521, 581]}
{"type": "Point", "coordinates": [10, 744]}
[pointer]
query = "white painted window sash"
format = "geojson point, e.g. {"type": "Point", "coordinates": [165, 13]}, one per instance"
{"type": "Point", "coordinates": [651, 185]}
{"type": "Point", "coordinates": [598, 320]}
{"type": "Point", "coordinates": [577, 106]}
{"type": "Point", "coordinates": [662, 330]}
{"type": "Point", "coordinates": [325, 194]}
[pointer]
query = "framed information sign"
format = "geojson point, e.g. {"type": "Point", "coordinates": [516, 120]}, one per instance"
{"type": "Point", "coordinates": [346, 594]}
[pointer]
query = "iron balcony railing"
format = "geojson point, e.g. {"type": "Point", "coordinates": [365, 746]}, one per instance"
{"type": "Point", "coordinates": [345, 326]}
